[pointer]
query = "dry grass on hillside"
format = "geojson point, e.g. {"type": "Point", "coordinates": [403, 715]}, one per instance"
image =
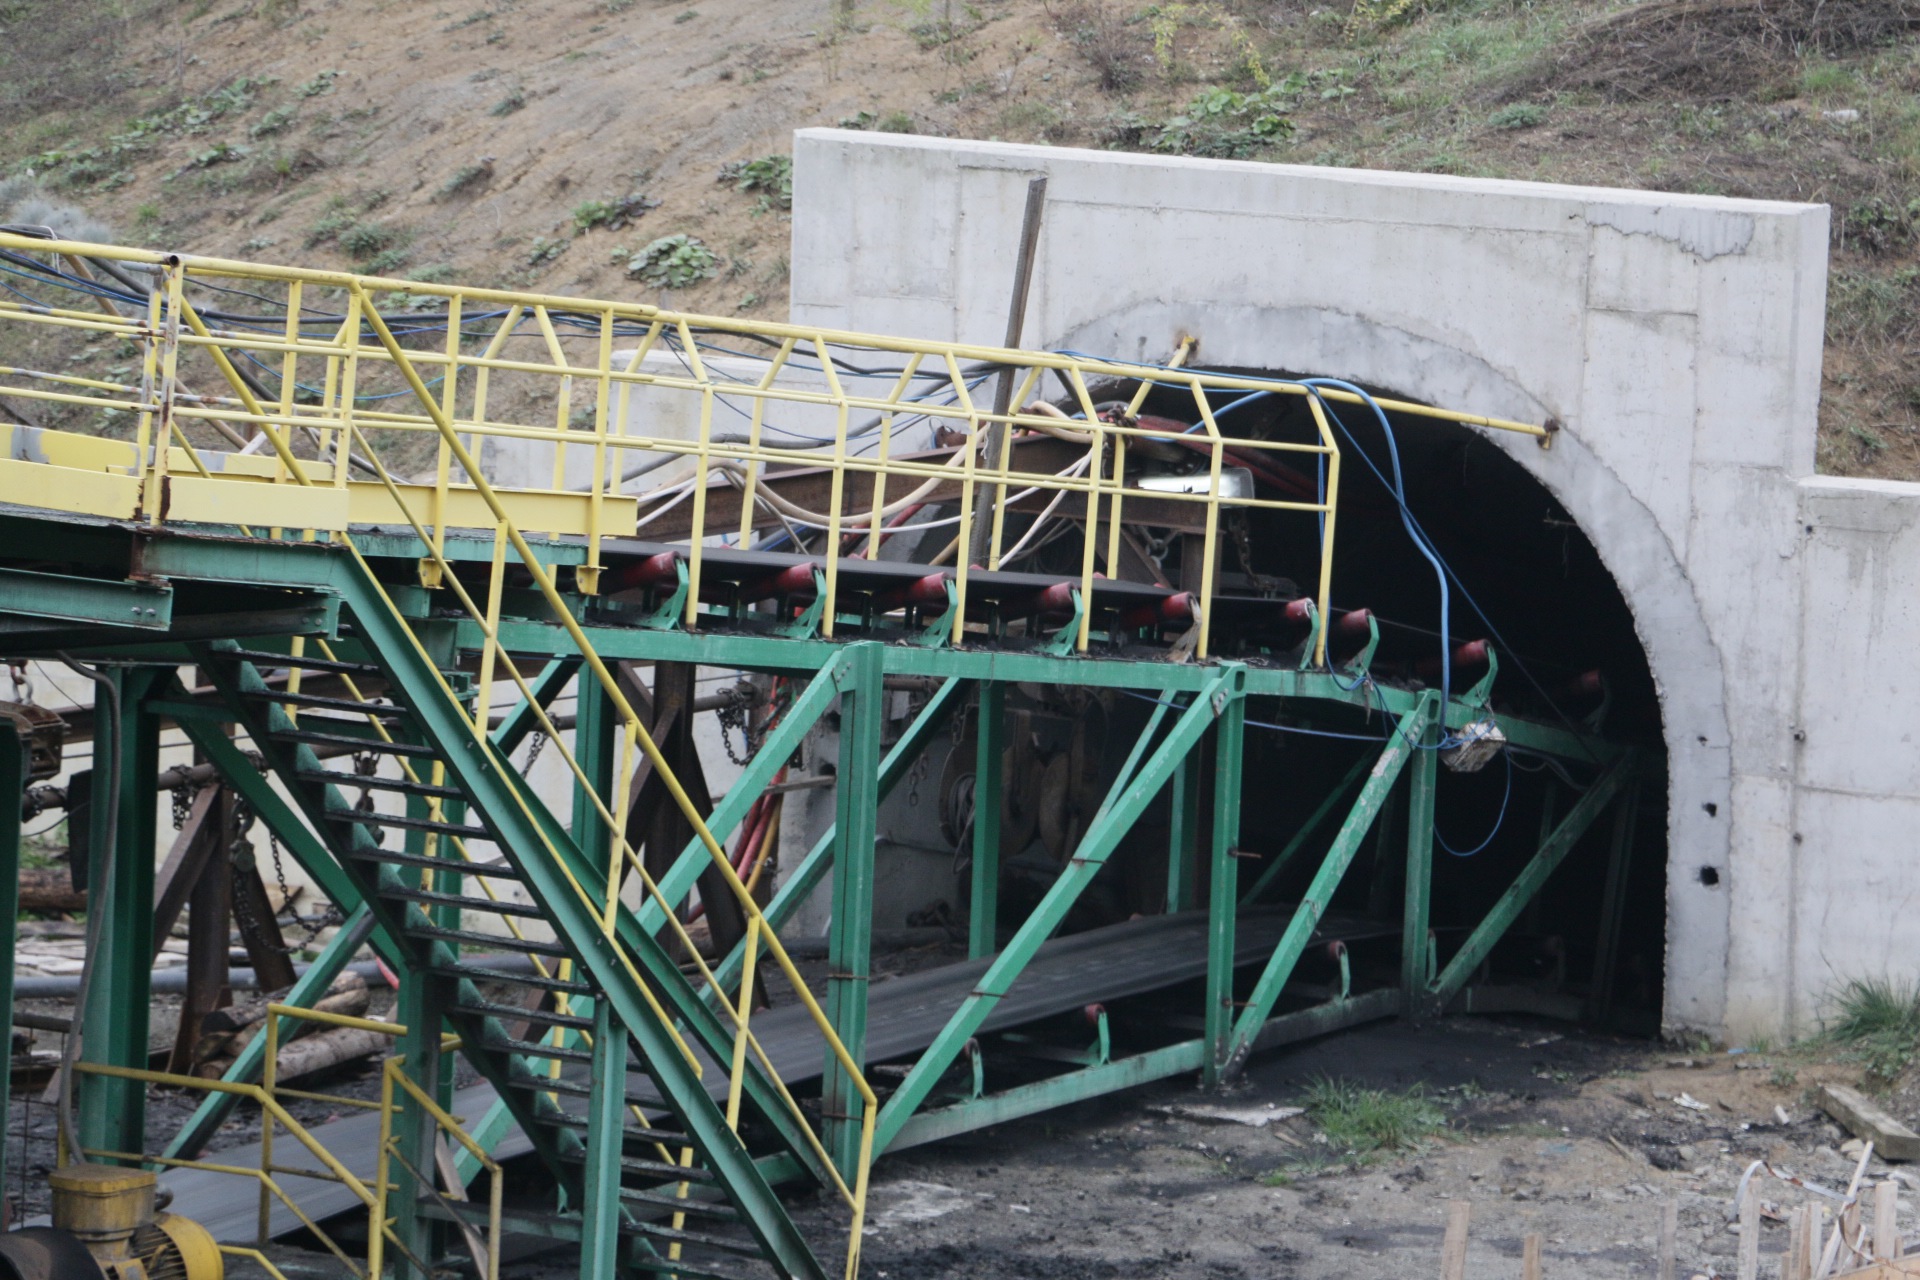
{"type": "Point", "coordinates": [549, 144]}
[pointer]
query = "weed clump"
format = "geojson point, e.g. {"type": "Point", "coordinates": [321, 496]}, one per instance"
{"type": "Point", "coordinates": [612, 215]}
{"type": "Point", "coordinates": [772, 176]}
{"type": "Point", "coordinates": [673, 262]}
{"type": "Point", "coordinates": [1878, 1021]}
{"type": "Point", "coordinates": [1370, 1122]}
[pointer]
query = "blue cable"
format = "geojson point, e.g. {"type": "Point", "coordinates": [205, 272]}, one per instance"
{"type": "Point", "coordinates": [1498, 821]}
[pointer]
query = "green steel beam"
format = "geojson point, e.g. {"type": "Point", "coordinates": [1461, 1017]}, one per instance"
{"type": "Point", "coordinates": [1339, 857]}
{"type": "Point", "coordinates": [141, 605]}
{"type": "Point", "coordinates": [1494, 925]}
{"type": "Point", "coordinates": [798, 885]}
{"type": "Point", "coordinates": [519, 722]}
{"type": "Point", "coordinates": [305, 993]}
{"type": "Point", "coordinates": [486, 780]}
{"type": "Point", "coordinates": [606, 1116]}
{"type": "Point", "coordinates": [778, 747]}
{"type": "Point", "coordinates": [594, 750]}
{"type": "Point", "coordinates": [1045, 1095]}
{"type": "Point", "coordinates": [1223, 885]}
{"type": "Point", "coordinates": [322, 565]}
{"type": "Point", "coordinates": [1307, 828]}
{"type": "Point", "coordinates": [238, 772]}
{"type": "Point", "coordinates": [14, 772]}
{"type": "Point", "coordinates": [1125, 802]}
{"type": "Point", "coordinates": [119, 996]}
{"type": "Point", "coordinates": [1417, 906]}
{"type": "Point", "coordinates": [1613, 899]}
{"type": "Point", "coordinates": [850, 938]}
{"type": "Point", "coordinates": [1183, 836]}
{"type": "Point", "coordinates": [989, 767]}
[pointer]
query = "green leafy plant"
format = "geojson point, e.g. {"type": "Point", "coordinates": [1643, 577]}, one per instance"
{"type": "Point", "coordinates": [772, 176]}
{"type": "Point", "coordinates": [465, 178]}
{"type": "Point", "coordinates": [1878, 225]}
{"type": "Point", "coordinates": [612, 215]}
{"type": "Point", "coordinates": [322, 83]}
{"type": "Point", "coordinates": [674, 262]}
{"type": "Point", "coordinates": [1220, 122]}
{"type": "Point", "coordinates": [545, 250]}
{"type": "Point", "coordinates": [515, 99]}
{"type": "Point", "coordinates": [275, 121]}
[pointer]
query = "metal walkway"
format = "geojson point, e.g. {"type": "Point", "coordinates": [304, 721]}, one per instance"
{"type": "Point", "coordinates": [905, 1014]}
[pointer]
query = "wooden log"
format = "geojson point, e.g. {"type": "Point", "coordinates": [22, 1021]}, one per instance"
{"type": "Point", "coordinates": [1868, 1122]}
{"type": "Point", "coordinates": [1669, 1232]}
{"type": "Point", "coordinates": [49, 889]}
{"type": "Point", "coordinates": [1799, 1228]}
{"type": "Point", "coordinates": [1530, 1258]}
{"type": "Point", "coordinates": [1747, 1264]}
{"type": "Point", "coordinates": [312, 1054]}
{"type": "Point", "coordinates": [227, 1031]}
{"type": "Point", "coordinates": [1453, 1246]}
{"type": "Point", "coordinates": [1886, 1221]}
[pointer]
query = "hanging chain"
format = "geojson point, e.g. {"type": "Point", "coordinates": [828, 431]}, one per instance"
{"type": "Point", "coordinates": [22, 686]}
{"type": "Point", "coordinates": [539, 740]}
{"type": "Point", "coordinates": [241, 853]}
{"type": "Point", "coordinates": [183, 798]}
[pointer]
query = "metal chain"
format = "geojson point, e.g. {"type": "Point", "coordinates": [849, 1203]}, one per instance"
{"type": "Point", "coordinates": [22, 686]}
{"type": "Point", "coordinates": [539, 740]}
{"type": "Point", "coordinates": [1265, 584]}
{"type": "Point", "coordinates": [241, 853]}
{"type": "Point", "coordinates": [183, 798]}
{"type": "Point", "coordinates": [734, 716]}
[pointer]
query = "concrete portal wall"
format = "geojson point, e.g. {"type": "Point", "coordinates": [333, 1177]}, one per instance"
{"type": "Point", "coordinates": [1677, 338]}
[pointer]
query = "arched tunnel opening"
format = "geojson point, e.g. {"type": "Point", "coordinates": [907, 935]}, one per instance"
{"type": "Point", "coordinates": [1523, 577]}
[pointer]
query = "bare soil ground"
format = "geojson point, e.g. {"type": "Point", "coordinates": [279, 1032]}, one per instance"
{"type": "Point", "coordinates": [473, 140]}
{"type": "Point", "coordinates": [1579, 1138]}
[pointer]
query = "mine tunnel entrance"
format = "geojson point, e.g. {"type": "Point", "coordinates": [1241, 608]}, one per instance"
{"type": "Point", "coordinates": [1524, 577]}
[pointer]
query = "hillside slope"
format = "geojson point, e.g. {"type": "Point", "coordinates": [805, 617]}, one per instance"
{"type": "Point", "coordinates": [548, 145]}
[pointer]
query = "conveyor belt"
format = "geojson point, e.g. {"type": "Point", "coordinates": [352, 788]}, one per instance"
{"type": "Point", "coordinates": [904, 1015]}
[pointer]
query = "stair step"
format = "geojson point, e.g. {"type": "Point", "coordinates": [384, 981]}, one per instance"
{"type": "Point", "coordinates": [491, 941]}
{"type": "Point", "coordinates": [260, 658]}
{"type": "Point", "coordinates": [457, 866]}
{"type": "Point", "coordinates": [357, 818]}
{"type": "Point", "coordinates": [545, 1018]}
{"type": "Point", "coordinates": [428, 898]}
{"type": "Point", "coordinates": [687, 1269]}
{"type": "Point", "coordinates": [570, 1120]}
{"type": "Point", "coordinates": [681, 1269]}
{"type": "Point", "coordinates": [353, 742]}
{"type": "Point", "coordinates": [575, 1088]}
{"type": "Point", "coordinates": [323, 702]}
{"type": "Point", "coordinates": [716, 1210]}
{"type": "Point", "coordinates": [536, 1049]}
{"type": "Point", "coordinates": [697, 1239]}
{"type": "Point", "coordinates": [407, 785]}
{"type": "Point", "coordinates": [652, 1168]}
{"type": "Point", "coordinates": [481, 973]}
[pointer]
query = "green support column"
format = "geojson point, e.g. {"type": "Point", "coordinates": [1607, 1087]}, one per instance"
{"type": "Point", "coordinates": [1138, 783]}
{"type": "Point", "coordinates": [1613, 900]}
{"type": "Point", "coordinates": [595, 750]}
{"type": "Point", "coordinates": [414, 1130]}
{"type": "Point", "coordinates": [1223, 886]}
{"type": "Point", "coordinates": [988, 773]}
{"type": "Point", "coordinates": [1306, 917]}
{"type": "Point", "coordinates": [850, 944]}
{"type": "Point", "coordinates": [113, 1113]}
{"type": "Point", "coordinates": [1423, 778]}
{"type": "Point", "coordinates": [13, 786]}
{"type": "Point", "coordinates": [1183, 836]}
{"type": "Point", "coordinates": [606, 1114]}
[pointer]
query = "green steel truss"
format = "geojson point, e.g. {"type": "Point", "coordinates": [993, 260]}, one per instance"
{"type": "Point", "coordinates": [616, 1194]}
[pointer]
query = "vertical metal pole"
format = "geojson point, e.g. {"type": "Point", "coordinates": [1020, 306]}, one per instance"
{"type": "Point", "coordinates": [115, 1028]}
{"type": "Point", "coordinates": [13, 786]}
{"type": "Point", "coordinates": [990, 736]}
{"type": "Point", "coordinates": [1223, 890]}
{"type": "Point", "coordinates": [606, 1117]}
{"type": "Point", "coordinates": [1183, 835]}
{"type": "Point", "coordinates": [1416, 919]}
{"type": "Point", "coordinates": [421, 1011]}
{"type": "Point", "coordinates": [1613, 899]}
{"type": "Point", "coordinates": [998, 432]}
{"type": "Point", "coordinates": [849, 945]}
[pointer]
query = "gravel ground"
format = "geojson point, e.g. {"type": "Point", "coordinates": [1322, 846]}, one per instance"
{"type": "Point", "coordinates": [1579, 1138]}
